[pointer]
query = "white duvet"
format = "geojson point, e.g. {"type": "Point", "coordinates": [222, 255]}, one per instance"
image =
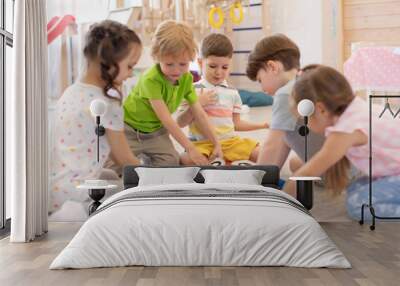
{"type": "Point", "coordinates": [190, 231]}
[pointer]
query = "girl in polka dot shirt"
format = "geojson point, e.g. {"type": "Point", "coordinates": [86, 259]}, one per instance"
{"type": "Point", "coordinates": [111, 51]}
{"type": "Point", "coordinates": [343, 118]}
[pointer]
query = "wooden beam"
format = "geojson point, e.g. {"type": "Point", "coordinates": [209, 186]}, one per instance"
{"type": "Point", "coordinates": [120, 4]}
{"type": "Point", "coordinates": [373, 9]}
{"type": "Point", "coordinates": [340, 33]}
{"type": "Point", "coordinates": [64, 64]}
{"type": "Point", "coordinates": [179, 10]}
{"type": "Point", "coordinates": [266, 17]}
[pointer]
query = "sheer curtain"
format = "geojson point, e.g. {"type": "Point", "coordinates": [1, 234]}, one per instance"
{"type": "Point", "coordinates": [26, 120]}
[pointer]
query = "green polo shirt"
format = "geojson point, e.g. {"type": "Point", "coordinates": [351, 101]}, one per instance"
{"type": "Point", "coordinates": [138, 112]}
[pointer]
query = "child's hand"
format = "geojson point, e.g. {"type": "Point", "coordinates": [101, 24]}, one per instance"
{"type": "Point", "coordinates": [217, 153]}
{"type": "Point", "coordinates": [207, 97]}
{"type": "Point", "coordinates": [197, 157]}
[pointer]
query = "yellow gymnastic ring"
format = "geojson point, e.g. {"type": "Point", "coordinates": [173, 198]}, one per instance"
{"type": "Point", "coordinates": [218, 10]}
{"type": "Point", "coordinates": [232, 14]}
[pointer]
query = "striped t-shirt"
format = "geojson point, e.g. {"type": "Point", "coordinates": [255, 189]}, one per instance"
{"type": "Point", "coordinates": [220, 114]}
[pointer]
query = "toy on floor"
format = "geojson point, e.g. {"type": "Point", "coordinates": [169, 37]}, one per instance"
{"type": "Point", "coordinates": [221, 162]}
{"type": "Point", "coordinates": [253, 98]}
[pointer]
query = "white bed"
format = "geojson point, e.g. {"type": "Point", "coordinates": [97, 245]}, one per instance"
{"type": "Point", "coordinates": [224, 225]}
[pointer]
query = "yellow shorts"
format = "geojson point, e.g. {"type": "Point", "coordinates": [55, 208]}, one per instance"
{"type": "Point", "coordinates": [234, 148]}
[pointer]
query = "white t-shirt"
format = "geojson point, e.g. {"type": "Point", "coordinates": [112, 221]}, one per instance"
{"type": "Point", "coordinates": [74, 150]}
{"type": "Point", "coordinates": [284, 120]}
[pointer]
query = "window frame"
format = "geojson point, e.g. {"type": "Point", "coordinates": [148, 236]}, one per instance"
{"type": "Point", "coordinates": [6, 39]}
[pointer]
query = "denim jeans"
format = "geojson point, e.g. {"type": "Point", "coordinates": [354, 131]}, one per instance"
{"type": "Point", "coordinates": [385, 197]}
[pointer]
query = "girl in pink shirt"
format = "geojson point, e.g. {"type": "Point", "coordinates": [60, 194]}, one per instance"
{"type": "Point", "coordinates": [343, 119]}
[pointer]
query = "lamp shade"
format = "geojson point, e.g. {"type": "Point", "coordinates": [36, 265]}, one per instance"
{"type": "Point", "coordinates": [98, 107]}
{"type": "Point", "coordinates": [305, 107]}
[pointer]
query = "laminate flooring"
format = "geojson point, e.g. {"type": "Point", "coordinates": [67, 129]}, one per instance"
{"type": "Point", "coordinates": [374, 255]}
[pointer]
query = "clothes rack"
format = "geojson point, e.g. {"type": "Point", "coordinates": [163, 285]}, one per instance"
{"type": "Point", "coordinates": [370, 205]}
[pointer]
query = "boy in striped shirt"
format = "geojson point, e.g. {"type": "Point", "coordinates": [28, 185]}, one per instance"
{"type": "Point", "coordinates": [222, 105]}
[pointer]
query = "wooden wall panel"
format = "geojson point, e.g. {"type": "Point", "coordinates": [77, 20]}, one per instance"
{"type": "Point", "coordinates": [372, 9]}
{"type": "Point", "coordinates": [371, 21]}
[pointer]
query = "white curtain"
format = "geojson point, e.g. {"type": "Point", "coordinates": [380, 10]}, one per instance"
{"type": "Point", "coordinates": [26, 121]}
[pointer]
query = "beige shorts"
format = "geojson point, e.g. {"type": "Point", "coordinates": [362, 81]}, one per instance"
{"type": "Point", "coordinates": [156, 146]}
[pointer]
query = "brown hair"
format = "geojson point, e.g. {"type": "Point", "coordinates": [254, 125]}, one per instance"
{"type": "Point", "coordinates": [310, 67]}
{"type": "Point", "coordinates": [173, 38]}
{"type": "Point", "coordinates": [217, 45]}
{"type": "Point", "coordinates": [277, 47]}
{"type": "Point", "coordinates": [109, 42]}
{"type": "Point", "coordinates": [328, 86]}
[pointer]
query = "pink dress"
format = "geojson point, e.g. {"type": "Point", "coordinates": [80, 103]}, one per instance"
{"type": "Point", "coordinates": [385, 138]}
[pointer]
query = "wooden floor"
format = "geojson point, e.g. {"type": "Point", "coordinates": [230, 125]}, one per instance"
{"type": "Point", "coordinates": [375, 257]}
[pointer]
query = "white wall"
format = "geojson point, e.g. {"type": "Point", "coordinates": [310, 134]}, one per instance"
{"type": "Point", "coordinates": [84, 11]}
{"type": "Point", "coordinates": [311, 24]}
{"type": "Point", "coordinates": [302, 22]}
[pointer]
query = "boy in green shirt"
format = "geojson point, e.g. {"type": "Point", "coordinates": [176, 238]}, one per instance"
{"type": "Point", "coordinates": [158, 93]}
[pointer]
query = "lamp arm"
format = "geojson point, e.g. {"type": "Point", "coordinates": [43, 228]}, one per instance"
{"type": "Point", "coordinates": [305, 140]}
{"type": "Point", "coordinates": [100, 131]}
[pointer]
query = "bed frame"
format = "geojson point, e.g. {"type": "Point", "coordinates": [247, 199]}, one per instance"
{"type": "Point", "coordinates": [270, 179]}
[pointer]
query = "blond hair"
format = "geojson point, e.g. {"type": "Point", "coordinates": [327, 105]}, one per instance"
{"type": "Point", "coordinates": [173, 38]}
{"type": "Point", "coordinates": [328, 86]}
